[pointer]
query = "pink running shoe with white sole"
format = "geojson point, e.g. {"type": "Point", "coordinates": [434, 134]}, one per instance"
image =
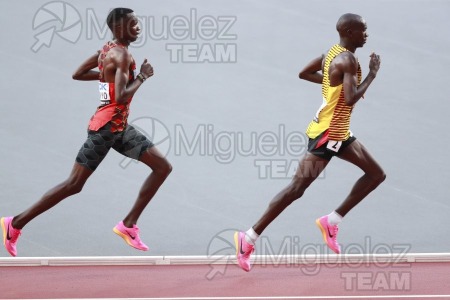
{"type": "Point", "coordinates": [243, 250]}
{"type": "Point", "coordinates": [329, 233]}
{"type": "Point", "coordinates": [10, 235]}
{"type": "Point", "coordinates": [130, 236]}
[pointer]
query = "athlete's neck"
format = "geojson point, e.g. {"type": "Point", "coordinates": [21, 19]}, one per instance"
{"type": "Point", "coordinates": [121, 42]}
{"type": "Point", "coordinates": [344, 43]}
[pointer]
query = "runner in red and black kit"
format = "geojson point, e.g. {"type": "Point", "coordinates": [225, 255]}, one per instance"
{"type": "Point", "coordinates": [108, 128]}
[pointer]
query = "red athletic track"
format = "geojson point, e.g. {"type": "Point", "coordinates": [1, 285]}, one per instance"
{"type": "Point", "coordinates": [155, 281]}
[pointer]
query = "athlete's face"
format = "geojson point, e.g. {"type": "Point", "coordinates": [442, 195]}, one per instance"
{"type": "Point", "coordinates": [359, 33]}
{"type": "Point", "coordinates": [130, 27]}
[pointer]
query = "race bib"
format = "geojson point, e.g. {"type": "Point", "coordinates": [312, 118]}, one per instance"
{"type": "Point", "coordinates": [103, 89]}
{"type": "Point", "coordinates": [334, 145]}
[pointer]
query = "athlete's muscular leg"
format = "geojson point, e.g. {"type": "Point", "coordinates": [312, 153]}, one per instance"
{"type": "Point", "coordinates": [309, 169]}
{"type": "Point", "coordinates": [70, 186]}
{"type": "Point", "coordinates": [373, 176]}
{"type": "Point", "coordinates": [161, 169]}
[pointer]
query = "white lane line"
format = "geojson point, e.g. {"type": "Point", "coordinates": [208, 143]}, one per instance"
{"type": "Point", "coordinates": [394, 258]}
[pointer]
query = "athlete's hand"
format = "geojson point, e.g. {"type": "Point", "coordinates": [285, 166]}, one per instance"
{"type": "Point", "coordinates": [146, 69]}
{"type": "Point", "coordinates": [374, 64]}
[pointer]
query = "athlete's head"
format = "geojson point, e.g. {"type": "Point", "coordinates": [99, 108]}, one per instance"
{"type": "Point", "coordinates": [353, 29]}
{"type": "Point", "coordinates": [123, 24]}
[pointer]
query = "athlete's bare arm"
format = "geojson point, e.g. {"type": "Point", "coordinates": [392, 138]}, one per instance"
{"type": "Point", "coordinates": [117, 68]}
{"type": "Point", "coordinates": [86, 70]}
{"type": "Point", "coordinates": [313, 71]}
{"type": "Point", "coordinates": [346, 67]}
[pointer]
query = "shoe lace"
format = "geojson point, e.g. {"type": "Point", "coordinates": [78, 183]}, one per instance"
{"type": "Point", "coordinates": [135, 231]}
{"type": "Point", "coordinates": [15, 233]}
{"type": "Point", "coordinates": [334, 231]}
{"type": "Point", "coordinates": [249, 251]}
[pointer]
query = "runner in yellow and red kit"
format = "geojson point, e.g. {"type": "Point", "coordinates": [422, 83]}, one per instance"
{"type": "Point", "coordinates": [329, 135]}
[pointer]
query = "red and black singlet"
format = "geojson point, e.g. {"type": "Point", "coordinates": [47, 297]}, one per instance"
{"type": "Point", "coordinates": [109, 110]}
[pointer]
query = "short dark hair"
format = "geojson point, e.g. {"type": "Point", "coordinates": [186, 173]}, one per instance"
{"type": "Point", "coordinates": [116, 15]}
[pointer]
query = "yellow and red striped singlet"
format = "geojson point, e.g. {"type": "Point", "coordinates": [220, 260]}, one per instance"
{"type": "Point", "coordinates": [334, 114]}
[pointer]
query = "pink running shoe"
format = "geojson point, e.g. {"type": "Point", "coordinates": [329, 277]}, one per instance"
{"type": "Point", "coordinates": [130, 235]}
{"type": "Point", "coordinates": [10, 235]}
{"type": "Point", "coordinates": [243, 250]}
{"type": "Point", "coordinates": [329, 233]}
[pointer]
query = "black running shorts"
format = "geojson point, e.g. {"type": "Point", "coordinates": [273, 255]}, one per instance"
{"type": "Point", "coordinates": [329, 148]}
{"type": "Point", "coordinates": [130, 142]}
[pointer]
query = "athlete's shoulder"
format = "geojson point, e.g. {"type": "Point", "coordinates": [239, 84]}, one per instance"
{"type": "Point", "coordinates": [346, 59]}
{"type": "Point", "coordinates": [120, 54]}
{"type": "Point", "coordinates": [347, 55]}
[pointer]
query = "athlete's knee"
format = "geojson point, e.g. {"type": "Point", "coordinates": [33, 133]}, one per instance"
{"type": "Point", "coordinates": [164, 169]}
{"type": "Point", "coordinates": [381, 177]}
{"type": "Point", "coordinates": [378, 177]}
{"type": "Point", "coordinates": [168, 169]}
{"type": "Point", "coordinates": [296, 189]}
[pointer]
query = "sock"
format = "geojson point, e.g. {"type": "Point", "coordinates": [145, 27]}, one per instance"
{"type": "Point", "coordinates": [251, 236]}
{"type": "Point", "coordinates": [334, 218]}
